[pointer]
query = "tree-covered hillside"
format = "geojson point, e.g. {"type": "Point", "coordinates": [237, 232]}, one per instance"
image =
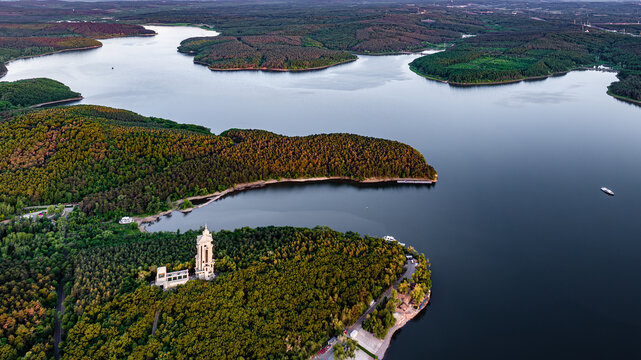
{"type": "Point", "coordinates": [513, 56]}
{"type": "Point", "coordinates": [28, 92]}
{"type": "Point", "coordinates": [281, 292]}
{"type": "Point", "coordinates": [116, 162]}
{"type": "Point", "coordinates": [262, 53]}
{"type": "Point", "coordinates": [24, 40]}
{"type": "Point", "coordinates": [291, 291]}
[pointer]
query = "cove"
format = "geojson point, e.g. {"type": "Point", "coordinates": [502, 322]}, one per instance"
{"type": "Point", "coordinates": [529, 258]}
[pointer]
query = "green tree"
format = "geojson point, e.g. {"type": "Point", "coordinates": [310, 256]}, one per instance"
{"type": "Point", "coordinates": [418, 294]}
{"type": "Point", "coordinates": [186, 204]}
{"type": "Point", "coordinates": [404, 286]}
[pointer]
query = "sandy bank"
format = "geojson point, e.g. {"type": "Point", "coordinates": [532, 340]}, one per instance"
{"type": "Point", "coordinates": [623, 98]}
{"type": "Point", "coordinates": [63, 101]}
{"type": "Point", "coordinates": [403, 319]}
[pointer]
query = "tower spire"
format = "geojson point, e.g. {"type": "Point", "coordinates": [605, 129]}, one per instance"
{"type": "Point", "coordinates": [205, 255]}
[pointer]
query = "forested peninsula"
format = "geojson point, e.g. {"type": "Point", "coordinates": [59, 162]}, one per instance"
{"type": "Point", "coordinates": [280, 293]}
{"type": "Point", "coordinates": [498, 58]}
{"type": "Point", "coordinates": [295, 37]}
{"type": "Point", "coordinates": [34, 92]}
{"type": "Point", "coordinates": [273, 53]}
{"type": "Point", "coordinates": [115, 162]}
{"type": "Point", "coordinates": [76, 285]}
{"type": "Point", "coordinates": [35, 39]}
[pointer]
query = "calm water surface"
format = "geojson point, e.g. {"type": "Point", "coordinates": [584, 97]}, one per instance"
{"type": "Point", "coordinates": [530, 260]}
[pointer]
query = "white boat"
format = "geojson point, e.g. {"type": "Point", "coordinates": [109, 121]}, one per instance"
{"type": "Point", "coordinates": [607, 191]}
{"type": "Point", "coordinates": [126, 220]}
{"type": "Point", "coordinates": [388, 238]}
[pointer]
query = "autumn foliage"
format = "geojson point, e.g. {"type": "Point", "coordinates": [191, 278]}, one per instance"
{"type": "Point", "coordinates": [267, 52]}
{"type": "Point", "coordinates": [116, 162]}
{"type": "Point", "coordinates": [282, 293]}
{"type": "Point", "coordinates": [24, 40]}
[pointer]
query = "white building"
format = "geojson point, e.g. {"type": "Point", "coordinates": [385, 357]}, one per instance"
{"type": "Point", "coordinates": [168, 280]}
{"type": "Point", "coordinates": [204, 264]}
{"type": "Point", "coordinates": [205, 256]}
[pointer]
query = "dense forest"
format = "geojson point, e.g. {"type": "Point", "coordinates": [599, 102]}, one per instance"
{"type": "Point", "coordinates": [379, 321]}
{"type": "Point", "coordinates": [73, 29]}
{"type": "Point", "coordinates": [296, 290]}
{"type": "Point", "coordinates": [281, 292]}
{"type": "Point", "coordinates": [30, 266]}
{"type": "Point", "coordinates": [366, 29]}
{"type": "Point", "coordinates": [513, 56]}
{"type": "Point", "coordinates": [29, 92]}
{"type": "Point", "coordinates": [503, 57]}
{"type": "Point", "coordinates": [34, 261]}
{"type": "Point", "coordinates": [24, 40]}
{"type": "Point", "coordinates": [514, 40]}
{"type": "Point", "coordinates": [262, 52]}
{"type": "Point", "coordinates": [116, 162]}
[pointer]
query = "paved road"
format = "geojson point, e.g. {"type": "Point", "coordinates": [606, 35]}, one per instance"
{"type": "Point", "coordinates": [411, 268]}
{"type": "Point", "coordinates": [36, 207]}
{"type": "Point", "coordinates": [358, 325]}
{"type": "Point", "coordinates": [34, 215]}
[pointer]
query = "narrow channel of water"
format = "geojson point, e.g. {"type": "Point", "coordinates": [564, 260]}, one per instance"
{"type": "Point", "coordinates": [529, 258]}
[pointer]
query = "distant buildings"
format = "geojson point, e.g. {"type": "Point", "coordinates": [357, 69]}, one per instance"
{"type": "Point", "coordinates": [204, 265]}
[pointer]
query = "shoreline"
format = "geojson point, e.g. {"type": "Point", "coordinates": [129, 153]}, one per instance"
{"type": "Point", "coordinates": [400, 323]}
{"type": "Point", "coordinates": [401, 52]}
{"type": "Point", "coordinates": [141, 220]}
{"type": "Point", "coordinates": [506, 82]}
{"type": "Point", "coordinates": [74, 49]}
{"type": "Point", "coordinates": [371, 346]}
{"type": "Point", "coordinates": [124, 36]}
{"type": "Point", "coordinates": [200, 26]}
{"type": "Point", "coordinates": [275, 69]}
{"type": "Point", "coordinates": [55, 102]}
{"type": "Point", "coordinates": [625, 99]}
{"type": "Point", "coordinates": [47, 54]}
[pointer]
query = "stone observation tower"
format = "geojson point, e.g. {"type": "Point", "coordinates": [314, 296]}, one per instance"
{"type": "Point", "coordinates": [205, 256]}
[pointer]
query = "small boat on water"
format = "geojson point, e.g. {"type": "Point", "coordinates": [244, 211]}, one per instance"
{"type": "Point", "coordinates": [607, 191]}
{"type": "Point", "coordinates": [389, 238]}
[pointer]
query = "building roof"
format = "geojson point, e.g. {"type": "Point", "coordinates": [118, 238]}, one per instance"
{"type": "Point", "coordinates": [205, 237]}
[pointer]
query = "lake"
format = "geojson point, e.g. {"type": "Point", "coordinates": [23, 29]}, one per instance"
{"type": "Point", "coordinates": [530, 259]}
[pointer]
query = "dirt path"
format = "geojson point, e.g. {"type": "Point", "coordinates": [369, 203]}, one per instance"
{"type": "Point", "coordinates": [153, 328]}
